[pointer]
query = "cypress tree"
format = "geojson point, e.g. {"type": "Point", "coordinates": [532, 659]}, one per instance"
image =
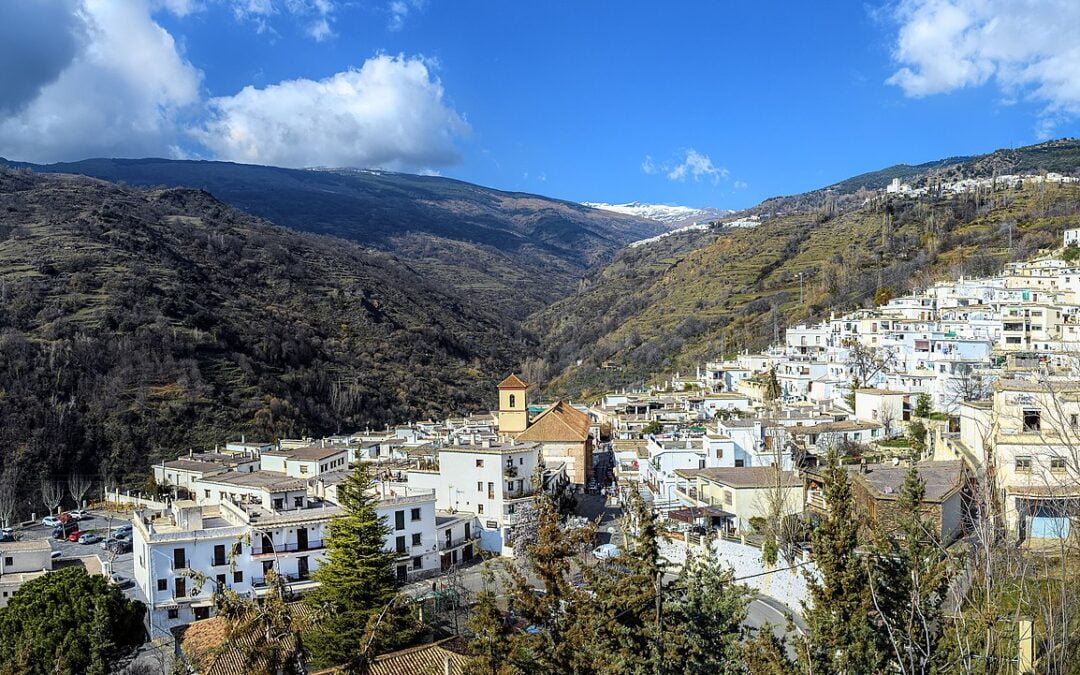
{"type": "Point", "coordinates": [909, 582]}
{"type": "Point", "coordinates": [842, 636]}
{"type": "Point", "coordinates": [356, 579]}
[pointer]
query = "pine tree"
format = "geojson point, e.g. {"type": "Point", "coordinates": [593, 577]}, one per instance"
{"type": "Point", "coordinates": [493, 649]}
{"type": "Point", "coordinates": [557, 640]}
{"type": "Point", "coordinates": [356, 578]}
{"type": "Point", "coordinates": [703, 624]}
{"type": "Point", "coordinates": [922, 405]}
{"type": "Point", "coordinates": [909, 582]}
{"type": "Point", "coordinates": [766, 654]}
{"type": "Point", "coordinates": [842, 637]}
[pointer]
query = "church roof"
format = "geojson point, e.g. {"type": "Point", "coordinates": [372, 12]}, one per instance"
{"type": "Point", "coordinates": [513, 382]}
{"type": "Point", "coordinates": [561, 422]}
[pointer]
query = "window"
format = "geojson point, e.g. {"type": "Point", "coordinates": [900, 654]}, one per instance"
{"type": "Point", "coordinates": [467, 527]}
{"type": "Point", "coordinates": [416, 539]}
{"type": "Point", "coordinates": [181, 587]}
{"type": "Point", "coordinates": [479, 508]}
{"type": "Point", "coordinates": [479, 464]}
{"type": "Point", "coordinates": [1057, 464]}
{"type": "Point", "coordinates": [417, 563]}
{"type": "Point", "coordinates": [163, 584]}
{"type": "Point", "coordinates": [279, 503]}
{"type": "Point", "coordinates": [400, 547]}
{"type": "Point", "coordinates": [513, 400]}
{"type": "Point", "coordinates": [303, 469]}
{"type": "Point", "coordinates": [8, 561]}
{"type": "Point", "coordinates": [220, 581]}
{"type": "Point", "coordinates": [206, 494]}
{"type": "Point", "coordinates": [727, 497]}
{"type": "Point", "coordinates": [399, 520]}
{"type": "Point", "coordinates": [1032, 420]}
{"type": "Point", "coordinates": [219, 555]}
{"type": "Point", "coordinates": [179, 559]}
{"type": "Point", "coordinates": [174, 613]}
{"type": "Point", "coordinates": [492, 525]}
{"type": "Point", "coordinates": [479, 486]}
{"type": "Point", "coordinates": [491, 490]}
{"type": "Point", "coordinates": [1074, 421]}
{"type": "Point", "coordinates": [238, 577]}
{"type": "Point", "coordinates": [1023, 465]}
{"type": "Point", "coordinates": [298, 502]}
{"type": "Point", "coordinates": [414, 514]}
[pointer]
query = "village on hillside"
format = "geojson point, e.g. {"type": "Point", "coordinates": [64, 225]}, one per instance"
{"type": "Point", "coordinates": [972, 381]}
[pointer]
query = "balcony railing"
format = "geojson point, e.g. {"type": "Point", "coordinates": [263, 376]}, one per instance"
{"type": "Point", "coordinates": [291, 547]}
{"type": "Point", "coordinates": [260, 582]}
{"type": "Point", "coordinates": [457, 541]}
{"type": "Point", "coordinates": [816, 498]}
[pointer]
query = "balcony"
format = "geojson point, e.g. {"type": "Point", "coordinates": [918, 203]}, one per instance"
{"type": "Point", "coordinates": [816, 499]}
{"type": "Point", "coordinates": [510, 471]}
{"type": "Point", "coordinates": [291, 547]}
{"type": "Point", "coordinates": [260, 582]}
{"type": "Point", "coordinates": [457, 541]}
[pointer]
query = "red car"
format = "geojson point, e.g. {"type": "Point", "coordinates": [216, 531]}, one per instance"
{"type": "Point", "coordinates": [74, 536]}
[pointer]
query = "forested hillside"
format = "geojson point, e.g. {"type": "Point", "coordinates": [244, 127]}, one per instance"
{"type": "Point", "coordinates": [666, 306]}
{"type": "Point", "coordinates": [515, 251]}
{"type": "Point", "coordinates": [136, 324]}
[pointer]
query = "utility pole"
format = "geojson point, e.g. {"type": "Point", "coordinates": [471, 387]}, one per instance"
{"type": "Point", "coordinates": [659, 621]}
{"type": "Point", "coordinates": [800, 290]}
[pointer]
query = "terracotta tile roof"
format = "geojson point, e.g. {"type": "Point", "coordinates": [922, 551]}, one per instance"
{"type": "Point", "coordinates": [213, 651]}
{"type": "Point", "coordinates": [513, 382]}
{"type": "Point", "coordinates": [561, 422]}
{"type": "Point", "coordinates": [429, 659]}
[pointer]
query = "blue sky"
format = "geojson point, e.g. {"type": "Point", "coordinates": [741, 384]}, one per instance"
{"type": "Point", "coordinates": [700, 103]}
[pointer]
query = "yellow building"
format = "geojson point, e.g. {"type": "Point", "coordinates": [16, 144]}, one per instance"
{"type": "Point", "coordinates": [513, 406]}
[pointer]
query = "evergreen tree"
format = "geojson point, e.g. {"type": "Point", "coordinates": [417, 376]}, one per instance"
{"type": "Point", "coordinates": [842, 636]}
{"type": "Point", "coordinates": [493, 649]}
{"type": "Point", "coordinates": [556, 641]}
{"type": "Point", "coordinates": [909, 582]}
{"type": "Point", "coordinates": [356, 578]}
{"type": "Point", "coordinates": [68, 621]}
{"type": "Point", "coordinates": [622, 623]}
{"type": "Point", "coordinates": [922, 405]}
{"type": "Point", "coordinates": [772, 387]}
{"type": "Point", "coordinates": [703, 622]}
{"type": "Point", "coordinates": [766, 654]}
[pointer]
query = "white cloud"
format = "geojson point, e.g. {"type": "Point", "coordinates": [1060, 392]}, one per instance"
{"type": "Point", "coordinates": [740, 185]}
{"type": "Point", "coordinates": [689, 164]}
{"type": "Point", "coordinates": [315, 16]}
{"type": "Point", "coordinates": [399, 11]}
{"type": "Point", "coordinates": [697, 166]}
{"type": "Point", "coordinates": [1028, 50]}
{"type": "Point", "coordinates": [123, 91]}
{"type": "Point", "coordinates": [388, 114]}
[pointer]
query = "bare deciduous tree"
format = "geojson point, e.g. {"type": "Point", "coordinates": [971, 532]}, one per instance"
{"type": "Point", "coordinates": [9, 494]}
{"type": "Point", "coordinates": [51, 494]}
{"type": "Point", "coordinates": [78, 486]}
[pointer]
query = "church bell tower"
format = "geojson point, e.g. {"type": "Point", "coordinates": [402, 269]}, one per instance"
{"type": "Point", "coordinates": [513, 406]}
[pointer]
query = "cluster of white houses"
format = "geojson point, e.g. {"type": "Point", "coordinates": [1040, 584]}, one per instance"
{"type": "Point", "coordinates": [445, 492]}
{"type": "Point", "coordinates": [998, 358]}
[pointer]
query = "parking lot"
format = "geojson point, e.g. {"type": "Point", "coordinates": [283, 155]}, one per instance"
{"type": "Point", "coordinates": [100, 523]}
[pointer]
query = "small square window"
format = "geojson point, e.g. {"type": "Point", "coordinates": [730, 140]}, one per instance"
{"type": "Point", "coordinates": [1023, 465]}
{"type": "Point", "coordinates": [163, 584]}
{"type": "Point", "coordinates": [416, 539]}
{"type": "Point", "coordinates": [479, 464]}
{"type": "Point", "coordinates": [417, 563]}
{"type": "Point", "coordinates": [238, 577]}
{"type": "Point", "coordinates": [414, 514]}
{"type": "Point", "coordinates": [174, 613]}
{"type": "Point", "coordinates": [1057, 464]}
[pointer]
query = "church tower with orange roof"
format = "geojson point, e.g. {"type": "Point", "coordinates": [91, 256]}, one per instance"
{"type": "Point", "coordinates": [513, 406]}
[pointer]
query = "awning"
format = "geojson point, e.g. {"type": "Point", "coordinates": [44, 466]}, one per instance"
{"type": "Point", "coordinates": [694, 513]}
{"type": "Point", "coordinates": [202, 603]}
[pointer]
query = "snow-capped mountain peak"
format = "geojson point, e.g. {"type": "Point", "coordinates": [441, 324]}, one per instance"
{"type": "Point", "coordinates": [671, 215]}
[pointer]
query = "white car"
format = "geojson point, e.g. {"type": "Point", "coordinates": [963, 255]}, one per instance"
{"type": "Point", "coordinates": [50, 521]}
{"type": "Point", "coordinates": [79, 514]}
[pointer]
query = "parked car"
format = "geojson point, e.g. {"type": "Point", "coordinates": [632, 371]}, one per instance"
{"type": "Point", "coordinates": [116, 545]}
{"type": "Point", "coordinates": [50, 521]}
{"type": "Point", "coordinates": [80, 514]}
{"type": "Point", "coordinates": [74, 536]}
{"type": "Point", "coordinates": [7, 534]}
{"type": "Point", "coordinates": [123, 529]}
{"type": "Point", "coordinates": [89, 538]}
{"type": "Point", "coordinates": [120, 580]}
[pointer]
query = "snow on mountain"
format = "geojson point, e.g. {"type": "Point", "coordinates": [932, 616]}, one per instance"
{"type": "Point", "coordinates": [672, 215]}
